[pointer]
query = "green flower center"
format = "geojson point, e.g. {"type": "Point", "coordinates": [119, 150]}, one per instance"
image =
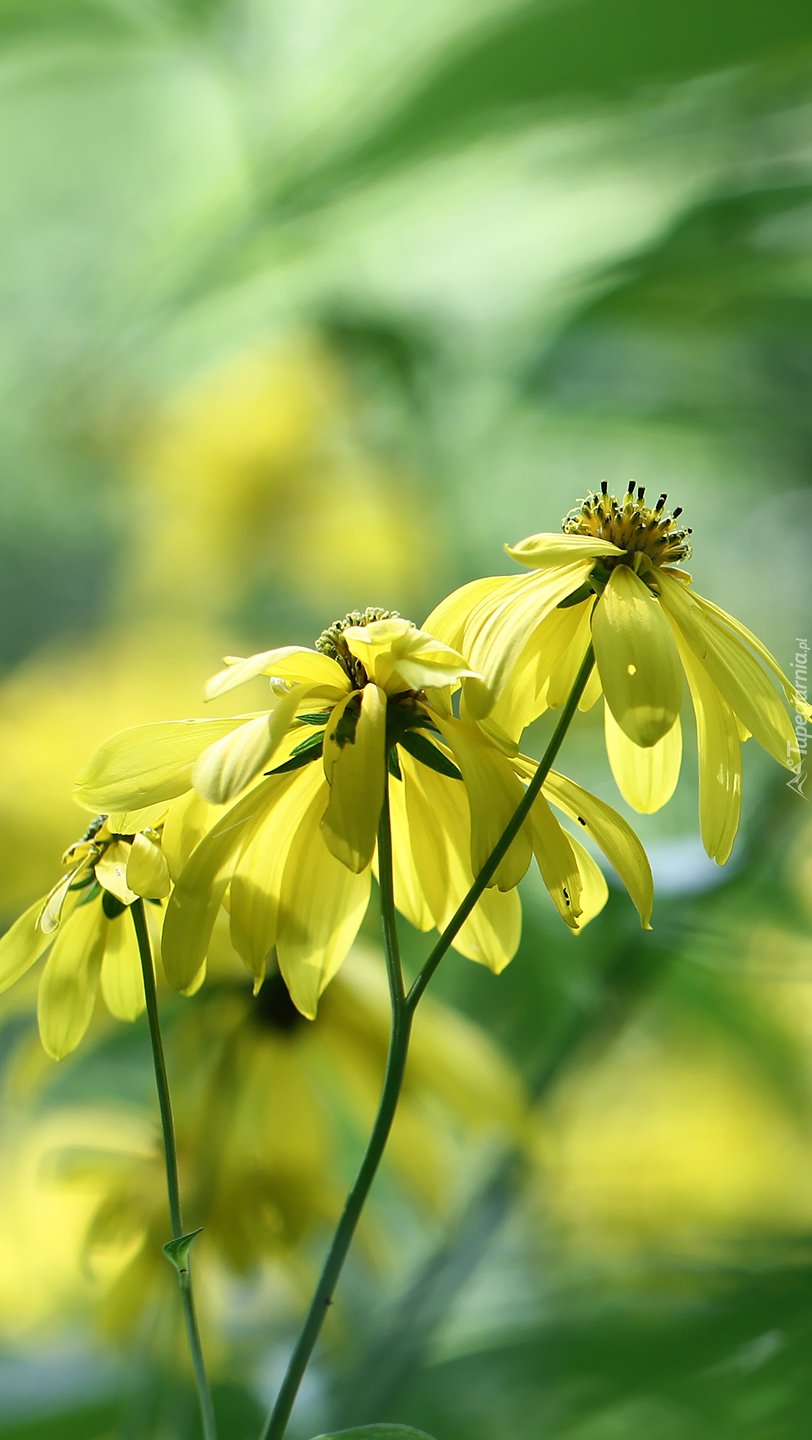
{"type": "Point", "coordinates": [331, 641]}
{"type": "Point", "coordinates": [631, 525]}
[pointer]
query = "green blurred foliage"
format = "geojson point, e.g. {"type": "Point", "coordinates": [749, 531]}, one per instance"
{"type": "Point", "coordinates": [309, 306]}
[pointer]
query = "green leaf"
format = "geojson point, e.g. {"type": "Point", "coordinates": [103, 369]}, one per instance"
{"type": "Point", "coordinates": [377, 1432]}
{"type": "Point", "coordinates": [421, 748]}
{"type": "Point", "coordinates": [178, 1250]}
{"type": "Point", "coordinates": [308, 750]}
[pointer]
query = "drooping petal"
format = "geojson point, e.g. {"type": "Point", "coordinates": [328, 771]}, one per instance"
{"type": "Point", "coordinates": [231, 763]}
{"type": "Point", "coordinates": [637, 658]}
{"type": "Point", "coordinates": [290, 662]}
{"type": "Point", "coordinates": [22, 945]}
{"type": "Point", "coordinates": [574, 638]}
{"type": "Point", "coordinates": [554, 548]}
{"type": "Point", "coordinates": [594, 889]}
{"type": "Point", "coordinates": [67, 990]}
{"type": "Point", "coordinates": [149, 763]}
{"type": "Point", "coordinates": [196, 898]}
{"type": "Point", "coordinates": [322, 904]}
{"type": "Point", "coordinates": [735, 672]}
{"type": "Point", "coordinates": [355, 771]}
{"type": "Point", "coordinates": [796, 700]}
{"type": "Point", "coordinates": [611, 834]}
{"type": "Point", "coordinates": [493, 795]}
{"type": "Point", "coordinates": [720, 760]}
{"type": "Point", "coordinates": [409, 897]}
{"type": "Point", "coordinates": [646, 776]}
{"type": "Point", "coordinates": [398, 656]}
{"type": "Point", "coordinates": [257, 879]}
{"type": "Point", "coordinates": [448, 620]}
{"type": "Point", "coordinates": [111, 872]}
{"type": "Point", "coordinates": [122, 981]}
{"type": "Point", "coordinates": [51, 912]}
{"type": "Point", "coordinates": [187, 820]}
{"type": "Point", "coordinates": [147, 871]}
{"type": "Point", "coordinates": [129, 822]}
{"type": "Point", "coordinates": [503, 622]}
{"type": "Point", "coordinates": [556, 861]}
{"type": "Point", "coordinates": [440, 841]}
{"type": "Point", "coordinates": [527, 692]}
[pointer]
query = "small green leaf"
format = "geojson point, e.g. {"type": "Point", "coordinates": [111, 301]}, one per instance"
{"type": "Point", "coordinates": [393, 763]}
{"type": "Point", "coordinates": [421, 748]}
{"type": "Point", "coordinates": [582, 593]}
{"type": "Point", "coordinates": [92, 894]}
{"type": "Point", "coordinates": [377, 1432]}
{"type": "Point", "coordinates": [309, 749]}
{"type": "Point", "coordinates": [178, 1250]}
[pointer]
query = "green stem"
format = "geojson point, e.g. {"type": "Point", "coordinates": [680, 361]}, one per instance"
{"type": "Point", "coordinates": [505, 841]}
{"type": "Point", "coordinates": [171, 1160]}
{"type": "Point", "coordinates": [390, 1093]}
{"type": "Point", "coordinates": [403, 1008]}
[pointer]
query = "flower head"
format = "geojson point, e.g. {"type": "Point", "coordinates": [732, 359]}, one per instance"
{"type": "Point", "coordinates": [292, 855]}
{"type": "Point", "coordinates": [612, 579]}
{"type": "Point", "coordinates": [83, 924]}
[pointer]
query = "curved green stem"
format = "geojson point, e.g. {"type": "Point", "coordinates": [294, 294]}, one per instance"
{"type": "Point", "coordinates": [390, 1094]}
{"type": "Point", "coordinates": [507, 837]}
{"type": "Point", "coordinates": [171, 1160]}
{"type": "Point", "coordinates": [403, 1008]}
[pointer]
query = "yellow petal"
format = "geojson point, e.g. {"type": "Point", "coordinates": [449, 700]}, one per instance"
{"type": "Point", "coordinates": [129, 822]}
{"type": "Point", "coordinates": [22, 945]}
{"type": "Point", "coordinates": [594, 889]}
{"type": "Point", "coordinates": [592, 691]}
{"type": "Point", "coordinates": [147, 870]}
{"type": "Point", "coordinates": [149, 763]}
{"type": "Point", "coordinates": [51, 912]}
{"type": "Point", "coordinates": [611, 834]}
{"type": "Point", "coordinates": [556, 861]}
{"type": "Point", "coordinates": [646, 776]}
{"type": "Point", "coordinates": [322, 905]}
{"type": "Point", "coordinates": [257, 879]}
{"type": "Point", "coordinates": [67, 990]}
{"type": "Point", "coordinates": [231, 763]}
{"type": "Point", "coordinates": [637, 658]}
{"type": "Point", "coordinates": [187, 821]}
{"type": "Point", "coordinates": [736, 674]}
{"type": "Point", "coordinates": [796, 700]}
{"type": "Point", "coordinates": [196, 898]}
{"type": "Point", "coordinates": [493, 795]}
{"type": "Point", "coordinates": [122, 981]}
{"type": "Point", "coordinates": [500, 626]}
{"type": "Point", "coordinates": [557, 549]}
{"type": "Point", "coordinates": [291, 662]}
{"type": "Point", "coordinates": [720, 760]}
{"type": "Point", "coordinates": [440, 842]}
{"type": "Point", "coordinates": [356, 772]}
{"type": "Point", "coordinates": [111, 872]}
{"type": "Point", "coordinates": [448, 620]}
{"type": "Point", "coordinates": [409, 897]}
{"type": "Point", "coordinates": [573, 639]}
{"type": "Point", "coordinates": [396, 655]}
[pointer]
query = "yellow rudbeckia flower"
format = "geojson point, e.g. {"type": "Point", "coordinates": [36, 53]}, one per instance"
{"type": "Point", "coordinates": [83, 924]}
{"type": "Point", "coordinates": [292, 858]}
{"type": "Point", "coordinates": [611, 578]}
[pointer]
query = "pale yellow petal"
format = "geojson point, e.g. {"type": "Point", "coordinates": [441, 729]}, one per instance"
{"type": "Point", "coordinates": [736, 674]}
{"type": "Point", "coordinates": [67, 990]}
{"type": "Point", "coordinates": [448, 620]}
{"type": "Point", "coordinates": [796, 700]}
{"type": "Point", "coordinates": [322, 904]}
{"type": "Point", "coordinates": [149, 763]}
{"type": "Point", "coordinates": [111, 872]}
{"type": "Point", "coordinates": [593, 690]}
{"type": "Point", "coordinates": [493, 795]}
{"type": "Point", "coordinates": [257, 879]}
{"type": "Point", "coordinates": [646, 776]}
{"type": "Point", "coordinates": [187, 820]}
{"type": "Point", "coordinates": [224, 770]}
{"type": "Point", "coordinates": [355, 770]}
{"type": "Point", "coordinates": [611, 834]}
{"type": "Point", "coordinates": [574, 637]}
{"type": "Point", "coordinates": [51, 912]}
{"type": "Point", "coordinates": [290, 662]}
{"type": "Point", "coordinates": [637, 658]}
{"type": "Point", "coordinates": [398, 656]}
{"type": "Point", "coordinates": [122, 981]}
{"type": "Point", "coordinates": [22, 945]}
{"type": "Point", "coordinates": [199, 889]}
{"type": "Point", "coordinates": [556, 861]}
{"type": "Point", "coordinates": [594, 889]}
{"type": "Point", "coordinates": [720, 760]}
{"type": "Point", "coordinates": [557, 549]}
{"type": "Point", "coordinates": [147, 870]}
{"type": "Point", "coordinates": [409, 897]}
{"type": "Point", "coordinates": [129, 822]}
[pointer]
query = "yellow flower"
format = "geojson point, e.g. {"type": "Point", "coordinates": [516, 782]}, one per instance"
{"type": "Point", "coordinates": [611, 578]}
{"type": "Point", "coordinates": [83, 922]}
{"type": "Point", "coordinates": [292, 859]}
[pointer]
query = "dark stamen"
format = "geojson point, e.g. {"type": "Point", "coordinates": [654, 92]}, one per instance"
{"type": "Point", "coordinates": [677, 512]}
{"type": "Point", "coordinates": [661, 502]}
{"type": "Point", "coordinates": [641, 490]}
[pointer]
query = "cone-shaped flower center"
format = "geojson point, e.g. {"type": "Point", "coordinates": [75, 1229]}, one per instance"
{"type": "Point", "coordinates": [331, 641]}
{"type": "Point", "coordinates": [631, 525]}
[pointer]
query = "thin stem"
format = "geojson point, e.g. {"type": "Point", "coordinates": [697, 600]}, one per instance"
{"type": "Point", "coordinates": [507, 837]}
{"type": "Point", "coordinates": [171, 1161]}
{"type": "Point", "coordinates": [390, 1093]}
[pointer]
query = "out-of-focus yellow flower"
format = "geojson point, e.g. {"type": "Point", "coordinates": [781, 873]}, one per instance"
{"type": "Point", "coordinates": [261, 1099]}
{"type": "Point", "coordinates": [84, 924]}
{"type": "Point", "coordinates": [610, 578]}
{"type": "Point", "coordinates": [292, 859]}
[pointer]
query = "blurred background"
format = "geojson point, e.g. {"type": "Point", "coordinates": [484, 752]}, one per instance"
{"type": "Point", "coordinates": [309, 306]}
